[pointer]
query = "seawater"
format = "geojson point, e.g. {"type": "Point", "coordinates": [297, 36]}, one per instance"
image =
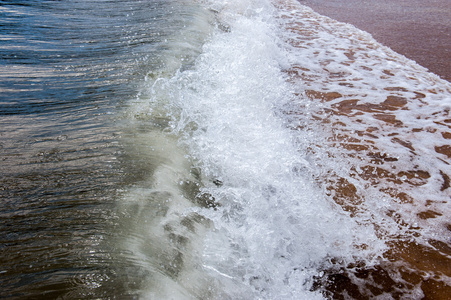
{"type": "Point", "coordinates": [217, 150]}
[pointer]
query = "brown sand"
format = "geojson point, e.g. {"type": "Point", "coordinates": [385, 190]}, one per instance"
{"type": "Point", "coordinates": [418, 29]}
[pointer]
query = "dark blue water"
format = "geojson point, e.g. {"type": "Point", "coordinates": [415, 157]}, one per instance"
{"type": "Point", "coordinates": [69, 54]}
{"type": "Point", "coordinates": [66, 68]}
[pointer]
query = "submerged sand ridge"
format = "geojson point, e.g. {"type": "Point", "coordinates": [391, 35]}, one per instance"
{"type": "Point", "coordinates": [418, 29]}
{"type": "Point", "coordinates": [391, 120]}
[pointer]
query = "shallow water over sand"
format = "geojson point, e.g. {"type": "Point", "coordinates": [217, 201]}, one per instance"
{"type": "Point", "coordinates": [417, 29]}
{"type": "Point", "coordinates": [397, 127]}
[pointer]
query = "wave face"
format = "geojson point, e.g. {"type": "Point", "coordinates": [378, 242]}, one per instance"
{"type": "Point", "coordinates": [258, 151]}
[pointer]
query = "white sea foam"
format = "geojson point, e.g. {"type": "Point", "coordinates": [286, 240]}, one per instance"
{"type": "Point", "coordinates": [228, 113]}
{"type": "Point", "coordinates": [337, 57]}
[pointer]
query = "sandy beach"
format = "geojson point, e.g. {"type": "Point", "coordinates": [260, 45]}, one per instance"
{"type": "Point", "coordinates": [418, 29]}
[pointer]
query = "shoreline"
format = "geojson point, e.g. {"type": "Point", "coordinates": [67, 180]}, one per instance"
{"type": "Point", "coordinates": [417, 29]}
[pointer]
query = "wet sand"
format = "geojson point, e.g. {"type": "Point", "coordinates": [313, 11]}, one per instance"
{"type": "Point", "coordinates": [380, 122]}
{"type": "Point", "coordinates": [418, 29]}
